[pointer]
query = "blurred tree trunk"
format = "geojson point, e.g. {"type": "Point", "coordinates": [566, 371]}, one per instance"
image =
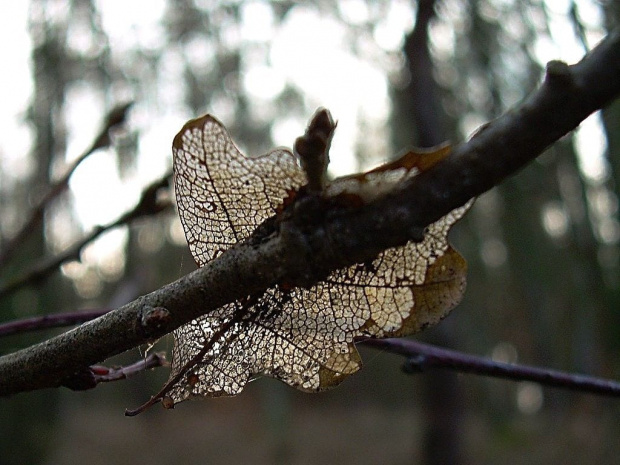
{"type": "Point", "coordinates": [420, 117]}
{"type": "Point", "coordinates": [611, 121]}
{"type": "Point", "coordinates": [28, 443]}
{"type": "Point", "coordinates": [418, 120]}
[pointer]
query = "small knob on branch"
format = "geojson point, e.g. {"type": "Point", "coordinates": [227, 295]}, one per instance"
{"type": "Point", "coordinates": [313, 149]}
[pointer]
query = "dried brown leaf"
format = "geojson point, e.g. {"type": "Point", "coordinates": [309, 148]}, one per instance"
{"type": "Point", "coordinates": [304, 337]}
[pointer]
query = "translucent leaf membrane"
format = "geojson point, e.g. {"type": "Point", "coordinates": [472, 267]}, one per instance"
{"type": "Point", "coordinates": [304, 337]}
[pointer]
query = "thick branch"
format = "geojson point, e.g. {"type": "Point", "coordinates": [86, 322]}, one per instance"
{"type": "Point", "coordinates": [302, 255]}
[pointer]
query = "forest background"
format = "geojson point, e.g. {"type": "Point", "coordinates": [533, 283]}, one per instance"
{"type": "Point", "coordinates": [542, 248]}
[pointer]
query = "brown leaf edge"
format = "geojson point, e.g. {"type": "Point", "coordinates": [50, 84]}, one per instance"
{"type": "Point", "coordinates": [421, 158]}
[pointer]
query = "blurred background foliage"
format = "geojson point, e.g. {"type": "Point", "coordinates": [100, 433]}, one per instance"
{"type": "Point", "coordinates": [542, 247]}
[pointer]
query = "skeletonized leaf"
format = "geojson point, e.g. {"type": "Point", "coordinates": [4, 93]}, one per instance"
{"type": "Point", "coordinates": [304, 337]}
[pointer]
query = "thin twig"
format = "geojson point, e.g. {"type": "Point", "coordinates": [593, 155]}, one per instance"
{"type": "Point", "coordinates": [300, 254]}
{"type": "Point", "coordinates": [155, 360]}
{"type": "Point", "coordinates": [57, 320]}
{"type": "Point", "coordinates": [115, 118]}
{"type": "Point", "coordinates": [423, 356]}
{"type": "Point", "coordinates": [148, 205]}
{"type": "Point", "coordinates": [95, 374]}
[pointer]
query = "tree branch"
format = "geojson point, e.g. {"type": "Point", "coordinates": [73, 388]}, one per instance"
{"type": "Point", "coordinates": [424, 356]}
{"type": "Point", "coordinates": [421, 357]}
{"type": "Point", "coordinates": [56, 320]}
{"type": "Point", "coordinates": [147, 206]}
{"type": "Point", "coordinates": [302, 254]}
{"type": "Point", "coordinates": [90, 377]}
{"type": "Point", "coordinates": [116, 117]}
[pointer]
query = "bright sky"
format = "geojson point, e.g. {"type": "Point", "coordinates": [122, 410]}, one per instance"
{"type": "Point", "coordinates": [329, 75]}
{"type": "Point", "coordinates": [16, 89]}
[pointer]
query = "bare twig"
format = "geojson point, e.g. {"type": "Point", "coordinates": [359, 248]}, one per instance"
{"type": "Point", "coordinates": [57, 320]}
{"type": "Point", "coordinates": [424, 356]}
{"type": "Point", "coordinates": [95, 374]}
{"type": "Point", "coordinates": [116, 117]}
{"type": "Point", "coordinates": [148, 205]}
{"type": "Point", "coordinates": [299, 253]}
{"type": "Point", "coordinates": [421, 357]}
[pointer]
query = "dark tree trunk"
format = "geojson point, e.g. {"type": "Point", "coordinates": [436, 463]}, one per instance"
{"type": "Point", "coordinates": [420, 121]}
